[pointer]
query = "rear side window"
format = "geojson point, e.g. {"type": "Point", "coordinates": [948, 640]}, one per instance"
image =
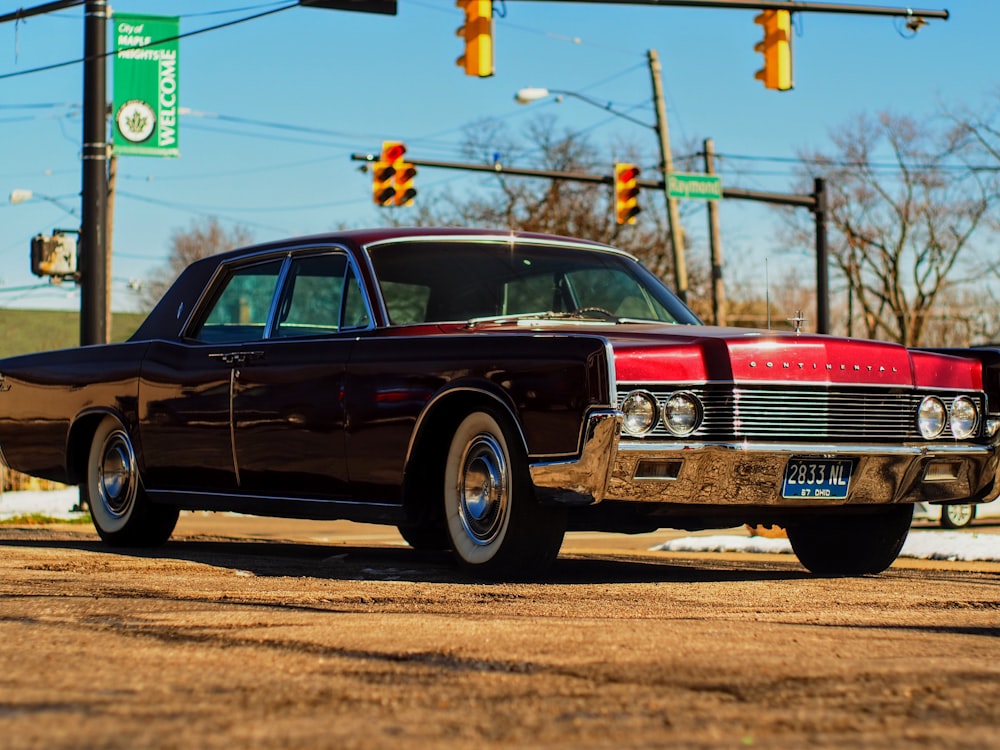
{"type": "Point", "coordinates": [240, 311]}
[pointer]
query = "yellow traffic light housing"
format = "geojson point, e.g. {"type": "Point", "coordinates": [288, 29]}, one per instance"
{"type": "Point", "coordinates": [776, 48]}
{"type": "Point", "coordinates": [626, 193]}
{"type": "Point", "coordinates": [392, 178]}
{"type": "Point", "coordinates": [477, 31]}
{"type": "Point", "coordinates": [383, 190]}
{"type": "Point", "coordinates": [384, 171]}
{"type": "Point", "coordinates": [405, 192]}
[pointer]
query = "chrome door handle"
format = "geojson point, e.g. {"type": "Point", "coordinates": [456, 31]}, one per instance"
{"type": "Point", "coordinates": [238, 358]}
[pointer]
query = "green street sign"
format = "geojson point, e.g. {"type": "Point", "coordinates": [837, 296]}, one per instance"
{"type": "Point", "coordinates": [146, 89]}
{"type": "Point", "coordinates": [698, 186]}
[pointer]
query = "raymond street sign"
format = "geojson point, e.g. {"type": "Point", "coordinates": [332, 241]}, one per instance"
{"type": "Point", "coordinates": [698, 186]}
{"type": "Point", "coordinates": [145, 101]}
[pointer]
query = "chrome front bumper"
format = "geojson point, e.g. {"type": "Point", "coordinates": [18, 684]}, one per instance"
{"type": "Point", "coordinates": [753, 473]}
{"type": "Point", "coordinates": [583, 480]}
{"type": "Point", "coordinates": [726, 474]}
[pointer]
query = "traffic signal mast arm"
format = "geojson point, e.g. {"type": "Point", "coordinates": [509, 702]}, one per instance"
{"type": "Point", "coordinates": [804, 201]}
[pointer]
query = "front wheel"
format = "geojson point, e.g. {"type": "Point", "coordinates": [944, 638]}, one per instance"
{"type": "Point", "coordinates": [957, 516]}
{"type": "Point", "coordinates": [851, 545]}
{"type": "Point", "coordinates": [122, 514]}
{"type": "Point", "coordinates": [496, 527]}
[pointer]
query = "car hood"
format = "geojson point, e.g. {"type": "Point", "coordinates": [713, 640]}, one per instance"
{"type": "Point", "coordinates": [685, 353]}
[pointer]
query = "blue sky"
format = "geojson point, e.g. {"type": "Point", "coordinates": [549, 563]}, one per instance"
{"type": "Point", "coordinates": [356, 79]}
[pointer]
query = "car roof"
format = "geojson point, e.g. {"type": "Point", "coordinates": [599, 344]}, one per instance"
{"type": "Point", "coordinates": [358, 238]}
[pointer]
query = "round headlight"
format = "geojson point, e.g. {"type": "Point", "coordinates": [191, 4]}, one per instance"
{"type": "Point", "coordinates": [640, 413]}
{"type": "Point", "coordinates": [930, 417]}
{"type": "Point", "coordinates": [682, 413]}
{"type": "Point", "coordinates": [963, 417]}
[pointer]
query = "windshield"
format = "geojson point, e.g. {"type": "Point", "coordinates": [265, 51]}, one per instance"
{"type": "Point", "coordinates": [438, 281]}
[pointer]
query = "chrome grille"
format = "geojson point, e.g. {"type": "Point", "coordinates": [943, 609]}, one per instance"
{"type": "Point", "coordinates": [803, 414]}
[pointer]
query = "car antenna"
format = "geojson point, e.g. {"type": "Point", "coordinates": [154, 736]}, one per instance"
{"type": "Point", "coordinates": [767, 295]}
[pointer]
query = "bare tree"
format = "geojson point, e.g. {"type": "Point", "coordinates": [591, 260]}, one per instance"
{"type": "Point", "coordinates": [902, 217]}
{"type": "Point", "coordinates": [203, 238]}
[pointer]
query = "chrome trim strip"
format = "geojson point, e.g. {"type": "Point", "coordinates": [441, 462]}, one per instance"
{"type": "Point", "coordinates": [232, 423]}
{"type": "Point", "coordinates": [451, 391]}
{"type": "Point", "coordinates": [609, 352]}
{"type": "Point", "coordinates": [508, 238]}
{"type": "Point", "coordinates": [279, 285]}
{"type": "Point", "coordinates": [825, 449]}
{"type": "Point", "coordinates": [793, 384]}
{"type": "Point", "coordinates": [583, 480]}
{"type": "Point", "coordinates": [304, 249]}
{"type": "Point", "coordinates": [245, 496]}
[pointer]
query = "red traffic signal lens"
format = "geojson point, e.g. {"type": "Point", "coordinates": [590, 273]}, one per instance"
{"type": "Point", "coordinates": [392, 151]}
{"type": "Point", "coordinates": [628, 174]}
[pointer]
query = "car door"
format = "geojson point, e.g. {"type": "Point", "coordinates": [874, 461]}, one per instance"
{"type": "Point", "coordinates": [288, 399]}
{"type": "Point", "coordinates": [185, 388]}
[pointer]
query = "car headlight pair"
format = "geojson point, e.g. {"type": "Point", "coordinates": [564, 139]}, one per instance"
{"type": "Point", "coordinates": [932, 416]}
{"type": "Point", "coordinates": [680, 413]}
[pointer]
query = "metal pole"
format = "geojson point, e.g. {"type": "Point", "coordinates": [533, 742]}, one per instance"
{"type": "Point", "coordinates": [667, 166]}
{"type": "Point", "coordinates": [822, 259]}
{"type": "Point", "coordinates": [715, 241]}
{"type": "Point", "coordinates": [93, 232]}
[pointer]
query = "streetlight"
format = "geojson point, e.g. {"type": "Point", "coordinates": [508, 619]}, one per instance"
{"type": "Point", "coordinates": [528, 95]}
{"type": "Point", "coordinates": [21, 195]}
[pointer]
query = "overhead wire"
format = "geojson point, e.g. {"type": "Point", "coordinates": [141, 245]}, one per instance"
{"type": "Point", "coordinates": [185, 35]}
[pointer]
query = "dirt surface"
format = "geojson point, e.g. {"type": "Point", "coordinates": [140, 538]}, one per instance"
{"type": "Point", "coordinates": [253, 633]}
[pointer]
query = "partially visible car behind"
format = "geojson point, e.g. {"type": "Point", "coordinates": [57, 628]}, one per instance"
{"type": "Point", "coordinates": [956, 516]}
{"type": "Point", "coordinates": [486, 391]}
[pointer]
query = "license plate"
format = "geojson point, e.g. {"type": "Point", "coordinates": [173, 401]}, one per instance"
{"type": "Point", "coordinates": [817, 477]}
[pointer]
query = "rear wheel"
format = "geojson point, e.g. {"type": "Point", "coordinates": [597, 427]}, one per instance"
{"type": "Point", "coordinates": [957, 516]}
{"type": "Point", "coordinates": [122, 514]}
{"type": "Point", "coordinates": [496, 527]}
{"type": "Point", "coordinates": [851, 544]}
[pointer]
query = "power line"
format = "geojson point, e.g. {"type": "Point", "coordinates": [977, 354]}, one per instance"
{"type": "Point", "coordinates": [67, 63]}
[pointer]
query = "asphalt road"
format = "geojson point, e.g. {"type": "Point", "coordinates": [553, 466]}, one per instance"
{"type": "Point", "coordinates": [259, 633]}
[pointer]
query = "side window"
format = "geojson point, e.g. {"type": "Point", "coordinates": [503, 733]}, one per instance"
{"type": "Point", "coordinates": [313, 295]}
{"type": "Point", "coordinates": [240, 311]}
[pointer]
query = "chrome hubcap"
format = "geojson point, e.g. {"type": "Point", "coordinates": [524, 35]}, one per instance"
{"type": "Point", "coordinates": [117, 475]}
{"type": "Point", "coordinates": [483, 490]}
{"type": "Point", "coordinates": [959, 514]}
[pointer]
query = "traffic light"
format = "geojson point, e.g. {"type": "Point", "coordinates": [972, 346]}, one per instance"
{"type": "Point", "coordinates": [776, 48]}
{"type": "Point", "coordinates": [405, 192]}
{"type": "Point", "coordinates": [626, 193]}
{"type": "Point", "coordinates": [383, 190]}
{"type": "Point", "coordinates": [386, 176]}
{"type": "Point", "coordinates": [477, 31]}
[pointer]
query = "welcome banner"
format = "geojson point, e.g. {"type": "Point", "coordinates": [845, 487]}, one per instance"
{"type": "Point", "coordinates": [146, 85]}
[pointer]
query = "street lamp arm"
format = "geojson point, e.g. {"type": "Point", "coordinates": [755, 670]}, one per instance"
{"type": "Point", "coordinates": [526, 96]}
{"type": "Point", "coordinates": [20, 195]}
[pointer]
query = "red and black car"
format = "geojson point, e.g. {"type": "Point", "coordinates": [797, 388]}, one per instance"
{"type": "Point", "coordinates": [485, 391]}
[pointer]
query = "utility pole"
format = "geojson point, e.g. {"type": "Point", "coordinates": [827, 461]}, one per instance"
{"type": "Point", "coordinates": [667, 166]}
{"type": "Point", "coordinates": [94, 275]}
{"type": "Point", "coordinates": [822, 258]}
{"type": "Point", "coordinates": [715, 241]}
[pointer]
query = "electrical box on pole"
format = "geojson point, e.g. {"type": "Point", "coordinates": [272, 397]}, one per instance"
{"type": "Point", "coordinates": [54, 256]}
